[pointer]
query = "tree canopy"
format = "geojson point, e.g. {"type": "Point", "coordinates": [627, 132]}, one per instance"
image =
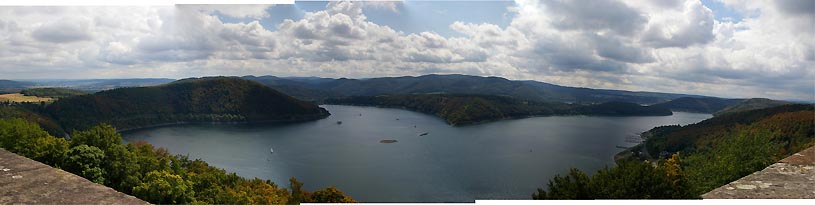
{"type": "Point", "coordinates": [151, 174]}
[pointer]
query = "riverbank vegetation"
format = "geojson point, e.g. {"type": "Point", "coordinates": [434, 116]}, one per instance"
{"type": "Point", "coordinates": [154, 175]}
{"type": "Point", "coordinates": [463, 109]}
{"type": "Point", "coordinates": [714, 152]}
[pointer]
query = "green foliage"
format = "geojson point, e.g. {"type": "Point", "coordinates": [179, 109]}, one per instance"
{"type": "Point", "coordinates": [216, 99]}
{"type": "Point", "coordinates": [102, 136]}
{"type": "Point", "coordinates": [729, 161]}
{"type": "Point", "coordinates": [461, 109]}
{"type": "Point", "coordinates": [298, 195]}
{"type": "Point", "coordinates": [327, 195]}
{"type": "Point", "coordinates": [146, 172]}
{"type": "Point", "coordinates": [52, 92]}
{"type": "Point", "coordinates": [792, 123]}
{"type": "Point", "coordinates": [330, 195]}
{"type": "Point", "coordinates": [27, 139]}
{"type": "Point", "coordinates": [163, 187]}
{"type": "Point", "coordinates": [629, 180]}
{"type": "Point", "coordinates": [572, 186]}
{"type": "Point", "coordinates": [86, 161]}
{"type": "Point", "coordinates": [33, 112]}
{"type": "Point", "coordinates": [717, 151]}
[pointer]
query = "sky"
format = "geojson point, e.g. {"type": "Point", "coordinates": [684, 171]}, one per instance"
{"type": "Point", "coordinates": [723, 48]}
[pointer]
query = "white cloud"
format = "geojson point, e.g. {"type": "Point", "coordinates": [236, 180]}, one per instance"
{"type": "Point", "coordinates": [234, 11]}
{"type": "Point", "coordinates": [668, 46]}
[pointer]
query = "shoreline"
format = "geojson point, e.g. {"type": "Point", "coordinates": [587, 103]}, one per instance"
{"type": "Point", "coordinates": [494, 120]}
{"type": "Point", "coordinates": [303, 119]}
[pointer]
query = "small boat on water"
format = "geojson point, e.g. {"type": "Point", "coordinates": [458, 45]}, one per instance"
{"type": "Point", "coordinates": [339, 122]}
{"type": "Point", "coordinates": [271, 150]}
{"type": "Point", "coordinates": [423, 134]}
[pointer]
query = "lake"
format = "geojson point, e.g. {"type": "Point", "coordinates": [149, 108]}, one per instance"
{"type": "Point", "coordinates": [499, 160]}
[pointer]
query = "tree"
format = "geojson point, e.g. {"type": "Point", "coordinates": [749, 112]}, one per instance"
{"type": "Point", "coordinates": [85, 161]}
{"type": "Point", "coordinates": [143, 171]}
{"type": "Point", "coordinates": [628, 180]}
{"type": "Point", "coordinates": [729, 161]}
{"type": "Point", "coordinates": [163, 187]}
{"type": "Point", "coordinates": [122, 168]}
{"type": "Point", "coordinates": [572, 186]}
{"type": "Point", "coordinates": [631, 180]}
{"type": "Point", "coordinates": [102, 136]}
{"type": "Point", "coordinates": [28, 139]}
{"type": "Point", "coordinates": [297, 193]}
{"type": "Point", "coordinates": [330, 195]}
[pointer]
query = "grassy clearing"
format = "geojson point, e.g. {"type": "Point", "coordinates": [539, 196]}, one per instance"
{"type": "Point", "coordinates": [17, 97]}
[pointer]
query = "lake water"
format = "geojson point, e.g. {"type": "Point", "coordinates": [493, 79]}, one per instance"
{"type": "Point", "coordinates": [499, 160]}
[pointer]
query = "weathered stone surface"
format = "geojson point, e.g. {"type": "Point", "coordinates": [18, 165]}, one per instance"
{"type": "Point", "coordinates": [790, 178]}
{"type": "Point", "coordinates": [25, 181]}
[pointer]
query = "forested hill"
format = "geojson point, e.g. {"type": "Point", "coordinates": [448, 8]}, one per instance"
{"type": "Point", "coordinates": [52, 92]}
{"type": "Point", "coordinates": [698, 104]}
{"type": "Point", "coordinates": [727, 147]}
{"type": "Point", "coordinates": [211, 99]}
{"type": "Point", "coordinates": [688, 161]}
{"type": "Point", "coordinates": [795, 120]}
{"type": "Point", "coordinates": [318, 89]}
{"type": "Point", "coordinates": [751, 104]}
{"type": "Point", "coordinates": [462, 109]}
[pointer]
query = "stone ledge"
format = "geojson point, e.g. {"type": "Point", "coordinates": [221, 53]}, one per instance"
{"type": "Point", "coordinates": [25, 181]}
{"type": "Point", "coordinates": [791, 178]}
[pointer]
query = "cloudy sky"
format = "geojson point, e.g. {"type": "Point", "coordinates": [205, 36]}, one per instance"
{"type": "Point", "coordinates": [726, 48]}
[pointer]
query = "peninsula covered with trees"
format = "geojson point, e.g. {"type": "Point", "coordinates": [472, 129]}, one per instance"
{"type": "Point", "coordinates": [212, 99]}
{"type": "Point", "coordinates": [463, 109]}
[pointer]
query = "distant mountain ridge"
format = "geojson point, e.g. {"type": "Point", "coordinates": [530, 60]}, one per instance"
{"type": "Point", "coordinates": [14, 84]}
{"type": "Point", "coordinates": [698, 104]}
{"type": "Point", "coordinates": [463, 109]}
{"type": "Point", "coordinates": [11, 86]}
{"type": "Point", "coordinates": [318, 89]}
{"type": "Point", "coordinates": [210, 99]}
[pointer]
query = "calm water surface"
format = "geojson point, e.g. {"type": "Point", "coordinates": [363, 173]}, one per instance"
{"type": "Point", "coordinates": [499, 160]}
